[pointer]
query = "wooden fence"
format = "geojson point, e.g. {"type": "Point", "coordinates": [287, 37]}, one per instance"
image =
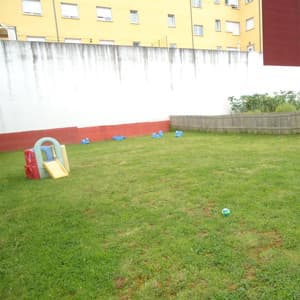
{"type": "Point", "coordinates": [267, 123]}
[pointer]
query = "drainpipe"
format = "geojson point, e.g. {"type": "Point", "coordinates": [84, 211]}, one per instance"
{"type": "Point", "coordinates": [193, 44]}
{"type": "Point", "coordinates": [55, 20]}
{"type": "Point", "coordinates": [260, 25]}
{"type": "Point", "coordinates": [191, 14]}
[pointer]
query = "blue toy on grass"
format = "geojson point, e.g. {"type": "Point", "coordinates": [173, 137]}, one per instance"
{"type": "Point", "coordinates": [178, 133]}
{"type": "Point", "coordinates": [157, 135]}
{"type": "Point", "coordinates": [85, 141]}
{"type": "Point", "coordinates": [118, 137]}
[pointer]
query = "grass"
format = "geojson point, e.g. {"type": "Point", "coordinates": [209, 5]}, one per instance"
{"type": "Point", "coordinates": [141, 219]}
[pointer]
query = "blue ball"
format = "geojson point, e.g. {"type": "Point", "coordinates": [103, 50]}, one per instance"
{"type": "Point", "coordinates": [225, 212]}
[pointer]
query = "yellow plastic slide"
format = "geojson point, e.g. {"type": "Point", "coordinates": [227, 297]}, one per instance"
{"type": "Point", "coordinates": [55, 169]}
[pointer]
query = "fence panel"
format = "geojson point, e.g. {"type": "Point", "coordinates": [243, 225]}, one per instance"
{"type": "Point", "coordinates": [268, 123]}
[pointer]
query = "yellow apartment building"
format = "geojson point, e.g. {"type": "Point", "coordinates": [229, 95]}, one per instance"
{"type": "Point", "coordinates": [197, 24]}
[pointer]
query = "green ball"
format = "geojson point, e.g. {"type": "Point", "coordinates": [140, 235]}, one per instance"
{"type": "Point", "coordinates": [225, 212]}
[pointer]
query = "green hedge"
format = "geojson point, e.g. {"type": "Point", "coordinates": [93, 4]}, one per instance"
{"type": "Point", "coordinates": [286, 100]}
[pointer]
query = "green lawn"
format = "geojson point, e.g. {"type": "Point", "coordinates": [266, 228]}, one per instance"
{"type": "Point", "coordinates": [141, 219]}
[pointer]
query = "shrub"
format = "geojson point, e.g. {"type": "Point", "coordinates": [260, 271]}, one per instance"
{"type": "Point", "coordinates": [264, 102]}
{"type": "Point", "coordinates": [286, 107]}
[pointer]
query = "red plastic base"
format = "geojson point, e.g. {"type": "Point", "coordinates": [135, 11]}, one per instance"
{"type": "Point", "coordinates": [31, 167]}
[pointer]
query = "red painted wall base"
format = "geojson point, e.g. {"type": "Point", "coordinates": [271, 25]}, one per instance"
{"type": "Point", "coordinates": [73, 135]}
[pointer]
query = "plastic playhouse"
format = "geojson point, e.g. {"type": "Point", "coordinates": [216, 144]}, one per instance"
{"type": "Point", "coordinates": [47, 160]}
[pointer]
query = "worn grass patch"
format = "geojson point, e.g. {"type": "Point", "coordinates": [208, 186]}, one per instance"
{"type": "Point", "coordinates": [141, 219]}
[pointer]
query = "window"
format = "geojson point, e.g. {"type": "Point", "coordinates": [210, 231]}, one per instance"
{"type": "Point", "coordinates": [134, 17]}
{"type": "Point", "coordinates": [219, 47]}
{"type": "Point", "coordinates": [3, 33]}
{"type": "Point", "coordinates": [69, 10]}
{"type": "Point", "coordinates": [107, 42]}
{"type": "Point", "coordinates": [32, 7]}
{"type": "Point", "coordinates": [198, 30]}
{"type": "Point", "coordinates": [136, 44]}
{"type": "Point", "coordinates": [218, 25]}
{"type": "Point", "coordinates": [233, 27]}
{"type": "Point", "coordinates": [249, 24]}
{"type": "Point", "coordinates": [172, 45]}
{"type": "Point", "coordinates": [248, 1]}
{"type": "Point", "coordinates": [233, 3]}
{"type": "Point", "coordinates": [104, 14]}
{"type": "Point", "coordinates": [232, 49]}
{"type": "Point", "coordinates": [12, 34]}
{"type": "Point", "coordinates": [36, 38]}
{"type": "Point", "coordinates": [217, 1]}
{"type": "Point", "coordinates": [72, 41]}
{"type": "Point", "coordinates": [171, 21]}
{"type": "Point", "coordinates": [197, 3]}
{"type": "Point", "coordinates": [8, 33]}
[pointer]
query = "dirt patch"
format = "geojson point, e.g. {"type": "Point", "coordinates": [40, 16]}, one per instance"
{"type": "Point", "coordinates": [232, 287]}
{"type": "Point", "coordinates": [135, 285]}
{"type": "Point", "coordinates": [267, 240]}
{"type": "Point", "coordinates": [191, 211]}
{"type": "Point", "coordinates": [260, 246]}
{"type": "Point", "coordinates": [199, 282]}
{"type": "Point", "coordinates": [85, 166]}
{"type": "Point", "coordinates": [203, 234]}
{"type": "Point", "coordinates": [208, 209]}
{"type": "Point", "coordinates": [250, 273]}
{"type": "Point", "coordinates": [89, 211]}
{"type": "Point", "coordinates": [129, 232]}
{"type": "Point", "coordinates": [120, 282]}
{"type": "Point", "coordinates": [275, 238]}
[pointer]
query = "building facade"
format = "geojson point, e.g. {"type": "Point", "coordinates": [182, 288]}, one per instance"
{"type": "Point", "coordinates": [198, 24]}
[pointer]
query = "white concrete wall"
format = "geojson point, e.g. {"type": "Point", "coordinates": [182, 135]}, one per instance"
{"type": "Point", "coordinates": [48, 85]}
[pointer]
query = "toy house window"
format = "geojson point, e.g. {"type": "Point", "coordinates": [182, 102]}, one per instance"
{"type": "Point", "coordinates": [104, 14]}
{"type": "Point", "coordinates": [69, 10]}
{"type": "Point", "coordinates": [32, 7]}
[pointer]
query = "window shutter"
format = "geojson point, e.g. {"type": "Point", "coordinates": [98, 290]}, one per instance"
{"type": "Point", "coordinates": [104, 13]}
{"type": "Point", "coordinates": [233, 27]}
{"type": "Point", "coordinates": [69, 10]}
{"type": "Point", "coordinates": [32, 7]}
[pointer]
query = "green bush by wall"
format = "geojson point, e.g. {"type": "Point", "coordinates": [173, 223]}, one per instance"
{"type": "Point", "coordinates": [266, 103]}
